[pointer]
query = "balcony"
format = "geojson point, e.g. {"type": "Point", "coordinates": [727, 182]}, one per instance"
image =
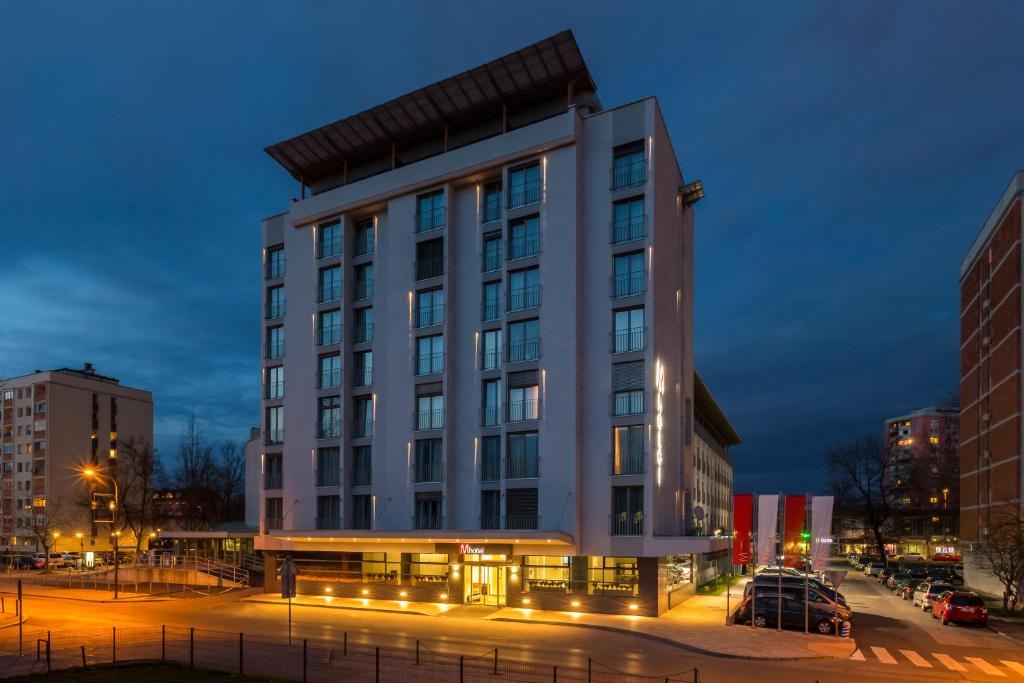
{"type": "Point", "coordinates": [523, 411]}
{"type": "Point", "coordinates": [274, 310]}
{"type": "Point", "coordinates": [273, 350]}
{"type": "Point", "coordinates": [490, 519]}
{"type": "Point", "coordinates": [272, 480]}
{"type": "Point", "coordinates": [491, 261]}
{"type": "Point", "coordinates": [524, 194]}
{"type": "Point", "coordinates": [431, 219]}
{"type": "Point", "coordinates": [490, 310]}
{"type": "Point", "coordinates": [628, 284]}
{"type": "Point", "coordinates": [363, 289]}
{"type": "Point", "coordinates": [490, 359]}
{"type": "Point", "coordinates": [429, 419]}
{"type": "Point", "coordinates": [327, 477]}
{"type": "Point", "coordinates": [629, 339]}
{"type": "Point", "coordinates": [523, 466]}
{"type": "Point", "coordinates": [429, 363]}
{"type": "Point", "coordinates": [362, 245]}
{"type": "Point", "coordinates": [362, 377]}
{"type": "Point", "coordinates": [326, 293]}
{"type": "Point", "coordinates": [362, 429]}
{"type": "Point", "coordinates": [627, 463]}
{"type": "Point", "coordinates": [325, 336]}
{"type": "Point", "coordinates": [428, 521]}
{"type": "Point", "coordinates": [427, 471]}
{"type": "Point", "coordinates": [523, 246]}
{"type": "Point", "coordinates": [524, 298]}
{"type": "Point", "coordinates": [628, 229]}
{"type": "Point", "coordinates": [628, 171]}
{"type": "Point", "coordinates": [523, 520]}
{"type": "Point", "coordinates": [273, 391]}
{"type": "Point", "coordinates": [273, 437]}
{"type": "Point", "coordinates": [429, 267]}
{"type": "Point", "coordinates": [362, 334]}
{"type": "Point", "coordinates": [428, 316]}
{"type": "Point", "coordinates": [627, 523]}
{"type": "Point", "coordinates": [326, 248]}
{"type": "Point", "coordinates": [275, 267]}
{"type": "Point", "coordinates": [330, 522]}
{"type": "Point", "coordinates": [490, 208]}
{"type": "Point", "coordinates": [521, 351]}
{"type": "Point", "coordinates": [273, 523]}
{"type": "Point", "coordinates": [329, 429]}
{"type": "Point", "coordinates": [490, 468]}
{"type": "Point", "coordinates": [628, 402]}
{"type": "Point", "coordinates": [490, 416]}
{"type": "Point", "coordinates": [362, 475]}
{"type": "Point", "coordinates": [328, 378]}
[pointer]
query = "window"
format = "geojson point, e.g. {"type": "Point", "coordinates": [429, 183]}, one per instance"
{"type": "Point", "coordinates": [492, 403]}
{"type": "Point", "coordinates": [630, 275]}
{"type": "Point", "coordinates": [274, 347]}
{"type": "Point", "coordinates": [524, 289]}
{"type": "Point", "coordinates": [490, 509]}
{"type": "Point", "coordinates": [428, 510]}
{"type": "Point", "coordinates": [430, 355]}
{"type": "Point", "coordinates": [521, 509]}
{"type": "Point", "coordinates": [328, 466]}
{"type": "Point", "coordinates": [430, 259]}
{"type": "Point", "coordinates": [329, 240]}
{"type": "Point", "coordinates": [329, 328]}
{"type": "Point", "coordinates": [490, 204]}
{"type": "Point", "coordinates": [628, 220]}
{"type": "Point", "coordinates": [627, 510]}
{"type": "Point", "coordinates": [329, 418]}
{"type": "Point", "coordinates": [329, 287]}
{"type": "Point", "coordinates": [362, 466]}
{"type": "Point", "coordinates": [362, 512]}
{"type": "Point", "coordinates": [491, 350]}
{"type": "Point", "coordinates": [328, 512]}
{"type": "Point", "coordinates": [275, 383]}
{"type": "Point", "coordinates": [628, 450]}
{"type": "Point", "coordinates": [491, 301]}
{"type": "Point", "coordinates": [363, 282]}
{"type": "Point", "coordinates": [430, 211]}
{"type": "Point", "coordinates": [275, 263]}
{"type": "Point", "coordinates": [427, 467]}
{"type": "Point", "coordinates": [628, 388]}
{"type": "Point", "coordinates": [629, 166]}
{"type": "Point", "coordinates": [363, 238]}
{"type": "Point", "coordinates": [430, 411]}
{"type": "Point", "coordinates": [522, 397]}
{"type": "Point", "coordinates": [524, 238]}
{"type": "Point", "coordinates": [275, 302]}
{"type": "Point", "coordinates": [363, 321]}
{"type": "Point", "coordinates": [274, 426]}
{"type": "Point", "coordinates": [429, 308]}
{"type": "Point", "coordinates": [521, 456]}
{"type": "Point", "coordinates": [274, 509]}
{"type": "Point", "coordinates": [629, 330]}
{"type": "Point", "coordinates": [492, 253]}
{"type": "Point", "coordinates": [524, 186]}
{"type": "Point", "coordinates": [362, 408]}
{"type": "Point", "coordinates": [523, 341]}
{"type": "Point", "coordinates": [272, 472]}
{"type": "Point", "coordinates": [615, 576]}
{"type": "Point", "coordinates": [362, 368]}
{"type": "Point", "coordinates": [490, 458]}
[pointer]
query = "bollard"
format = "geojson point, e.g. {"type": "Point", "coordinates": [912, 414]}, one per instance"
{"type": "Point", "coordinates": [346, 643]}
{"type": "Point", "coordinates": [554, 674]}
{"type": "Point", "coordinates": [589, 668]}
{"type": "Point", "coordinates": [47, 652]}
{"type": "Point", "coordinates": [163, 643]}
{"type": "Point", "coordinates": [417, 653]}
{"type": "Point", "coordinates": [83, 655]}
{"type": "Point", "coordinates": [462, 678]}
{"type": "Point", "coordinates": [304, 660]}
{"type": "Point", "coordinates": [240, 650]}
{"type": "Point", "coordinates": [376, 664]}
{"type": "Point", "coordinates": [495, 661]}
{"type": "Point", "coordinates": [192, 647]}
{"type": "Point", "coordinates": [113, 647]}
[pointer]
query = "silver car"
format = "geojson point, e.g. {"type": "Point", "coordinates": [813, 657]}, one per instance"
{"type": "Point", "coordinates": [927, 591]}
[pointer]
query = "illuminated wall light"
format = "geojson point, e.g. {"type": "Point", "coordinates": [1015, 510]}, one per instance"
{"type": "Point", "coordinates": [526, 601]}
{"type": "Point", "coordinates": [328, 590]}
{"type": "Point", "coordinates": [403, 594]}
{"type": "Point", "coordinates": [634, 606]}
{"type": "Point", "coordinates": [410, 312]}
{"type": "Point", "coordinates": [443, 596]}
{"type": "Point", "coordinates": [575, 603]}
{"type": "Point", "coordinates": [366, 592]}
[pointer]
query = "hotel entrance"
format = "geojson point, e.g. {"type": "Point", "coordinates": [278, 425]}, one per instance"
{"type": "Point", "coordinates": [485, 582]}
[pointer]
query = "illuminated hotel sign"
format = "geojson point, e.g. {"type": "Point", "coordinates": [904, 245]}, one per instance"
{"type": "Point", "coordinates": [467, 549]}
{"type": "Point", "coordinates": [659, 408]}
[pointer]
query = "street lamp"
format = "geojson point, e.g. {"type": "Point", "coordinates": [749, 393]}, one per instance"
{"type": "Point", "coordinates": [81, 549]}
{"type": "Point", "coordinates": [90, 473]}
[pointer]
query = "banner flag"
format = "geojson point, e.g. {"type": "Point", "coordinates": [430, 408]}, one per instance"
{"type": "Point", "coordinates": [767, 522]}
{"type": "Point", "coordinates": [821, 531]}
{"type": "Point", "coordinates": [742, 520]}
{"type": "Point", "coordinates": [793, 526]}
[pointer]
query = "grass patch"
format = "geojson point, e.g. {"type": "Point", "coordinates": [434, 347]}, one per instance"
{"type": "Point", "coordinates": [718, 586]}
{"type": "Point", "coordinates": [151, 673]}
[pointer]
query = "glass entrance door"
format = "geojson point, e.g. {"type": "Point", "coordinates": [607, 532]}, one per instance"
{"type": "Point", "coordinates": [486, 585]}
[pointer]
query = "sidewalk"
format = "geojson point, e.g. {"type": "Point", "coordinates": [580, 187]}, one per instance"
{"type": "Point", "coordinates": [81, 594]}
{"type": "Point", "coordinates": [698, 625]}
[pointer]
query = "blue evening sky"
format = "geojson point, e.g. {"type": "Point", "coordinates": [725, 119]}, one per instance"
{"type": "Point", "coordinates": [850, 152]}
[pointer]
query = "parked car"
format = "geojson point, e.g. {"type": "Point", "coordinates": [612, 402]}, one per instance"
{"type": "Point", "coordinates": [797, 590]}
{"type": "Point", "coordinates": [907, 590]}
{"type": "Point", "coordinates": [894, 578]}
{"type": "Point", "coordinates": [909, 557]}
{"type": "Point", "coordinates": [57, 560]}
{"type": "Point", "coordinates": [945, 574]}
{"type": "Point", "coordinates": [873, 568]}
{"type": "Point", "coordinates": [768, 582]}
{"type": "Point", "coordinates": [766, 614]}
{"type": "Point", "coordinates": [26, 562]}
{"type": "Point", "coordinates": [927, 591]}
{"type": "Point", "coordinates": [864, 560]}
{"type": "Point", "coordinates": [959, 607]}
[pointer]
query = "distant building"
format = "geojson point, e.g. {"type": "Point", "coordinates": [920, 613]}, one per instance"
{"type": "Point", "coordinates": [924, 471]}
{"type": "Point", "coordinates": [55, 423]}
{"type": "Point", "coordinates": [991, 399]}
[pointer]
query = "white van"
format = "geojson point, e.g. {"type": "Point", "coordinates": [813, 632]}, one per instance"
{"type": "Point", "coordinates": [57, 560]}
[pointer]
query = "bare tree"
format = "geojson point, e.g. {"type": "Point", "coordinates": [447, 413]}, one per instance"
{"type": "Point", "coordinates": [136, 472]}
{"type": "Point", "coordinates": [45, 523]}
{"type": "Point", "coordinates": [209, 481]}
{"type": "Point", "coordinates": [862, 481]}
{"type": "Point", "coordinates": [1002, 554]}
{"type": "Point", "coordinates": [229, 481]}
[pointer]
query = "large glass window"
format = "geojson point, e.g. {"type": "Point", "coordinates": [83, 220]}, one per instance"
{"type": "Point", "coordinates": [329, 240]}
{"type": "Point", "coordinates": [521, 509]}
{"type": "Point", "coordinates": [429, 308]}
{"type": "Point", "coordinates": [490, 458]}
{"type": "Point", "coordinates": [328, 512]}
{"type": "Point", "coordinates": [275, 383]}
{"type": "Point", "coordinates": [521, 456]}
{"type": "Point", "coordinates": [490, 203]}
{"type": "Point", "coordinates": [613, 575]}
{"type": "Point", "coordinates": [363, 241]}
{"type": "Point", "coordinates": [490, 509]}
{"type": "Point", "coordinates": [628, 450]}
{"type": "Point", "coordinates": [524, 185]}
{"type": "Point", "coordinates": [430, 355]}
{"type": "Point", "coordinates": [275, 302]}
{"type": "Point", "coordinates": [492, 253]}
{"type": "Point", "coordinates": [523, 403]}
{"type": "Point", "coordinates": [272, 472]}
{"type": "Point", "coordinates": [275, 342]}
{"type": "Point", "coordinates": [329, 418]}
{"type": "Point", "coordinates": [329, 327]}
{"type": "Point", "coordinates": [274, 426]}
{"type": "Point", "coordinates": [362, 368]}
{"type": "Point", "coordinates": [363, 322]}
{"type": "Point", "coordinates": [329, 374]}
{"type": "Point", "coordinates": [430, 258]}
{"type": "Point", "coordinates": [491, 301]}
{"type": "Point", "coordinates": [629, 330]}
{"type": "Point", "coordinates": [428, 464]}
{"type": "Point", "coordinates": [329, 287]}
{"type": "Point", "coordinates": [427, 511]}
{"type": "Point", "coordinates": [362, 512]}
{"type": "Point", "coordinates": [430, 211]}
{"type": "Point", "coordinates": [430, 412]}
{"type": "Point", "coordinates": [362, 408]}
{"type": "Point", "coordinates": [523, 341]}
{"type": "Point", "coordinates": [362, 466]}
{"type": "Point", "coordinates": [524, 238]}
{"type": "Point", "coordinates": [328, 466]}
{"type": "Point", "coordinates": [363, 282]}
{"type": "Point", "coordinates": [524, 289]}
{"type": "Point", "coordinates": [627, 510]}
{"type": "Point", "coordinates": [628, 220]}
{"type": "Point", "coordinates": [491, 350]}
{"type": "Point", "coordinates": [629, 166]}
{"type": "Point", "coordinates": [492, 403]}
{"type": "Point", "coordinates": [630, 275]}
{"type": "Point", "coordinates": [275, 263]}
{"type": "Point", "coordinates": [546, 574]}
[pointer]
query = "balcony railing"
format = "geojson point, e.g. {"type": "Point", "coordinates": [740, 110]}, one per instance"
{"type": "Point", "coordinates": [274, 310]}
{"type": "Point", "coordinates": [362, 334]}
{"type": "Point", "coordinates": [362, 429]}
{"type": "Point", "coordinates": [490, 469]}
{"type": "Point", "coordinates": [627, 172]}
{"type": "Point", "coordinates": [524, 194]}
{"type": "Point", "coordinates": [521, 411]}
{"type": "Point", "coordinates": [273, 350]}
{"type": "Point", "coordinates": [628, 229]}
{"type": "Point", "coordinates": [523, 298]}
{"type": "Point", "coordinates": [528, 349]}
{"type": "Point", "coordinates": [328, 476]}
{"type": "Point", "coordinates": [628, 284]}
{"type": "Point", "coordinates": [272, 480]}
{"type": "Point", "coordinates": [428, 316]}
{"type": "Point", "coordinates": [521, 466]}
{"type": "Point", "coordinates": [362, 476]}
{"type": "Point", "coordinates": [523, 520]}
{"type": "Point", "coordinates": [363, 289]}
{"type": "Point", "coordinates": [362, 245]}
{"type": "Point", "coordinates": [429, 266]}
{"type": "Point", "coordinates": [628, 402]}
{"type": "Point", "coordinates": [431, 219]}
{"type": "Point", "coordinates": [273, 523]}
{"type": "Point", "coordinates": [328, 379]}
{"type": "Point", "coordinates": [328, 335]}
{"type": "Point", "coordinates": [275, 268]}
{"type": "Point", "coordinates": [273, 437]}
{"type": "Point", "coordinates": [273, 390]}
{"type": "Point", "coordinates": [630, 339]}
{"type": "Point", "coordinates": [490, 519]}
{"type": "Point", "coordinates": [490, 208]}
{"type": "Point", "coordinates": [329, 247]}
{"type": "Point", "coordinates": [325, 293]}
{"type": "Point", "coordinates": [491, 261]}
{"type": "Point", "coordinates": [490, 359]}
{"type": "Point", "coordinates": [331, 522]}
{"type": "Point", "coordinates": [330, 429]}
{"type": "Point", "coordinates": [490, 310]}
{"type": "Point", "coordinates": [628, 523]}
{"type": "Point", "coordinates": [523, 246]}
{"type": "Point", "coordinates": [627, 463]}
{"type": "Point", "coordinates": [427, 471]}
{"type": "Point", "coordinates": [362, 377]}
{"type": "Point", "coordinates": [429, 363]}
{"type": "Point", "coordinates": [431, 521]}
{"type": "Point", "coordinates": [429, 419]}
{"type": "Point", "coordinates": [490, 416]}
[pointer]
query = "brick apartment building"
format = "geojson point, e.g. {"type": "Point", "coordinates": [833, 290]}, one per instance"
{"type": "Point", "coordinates": [990, 377]}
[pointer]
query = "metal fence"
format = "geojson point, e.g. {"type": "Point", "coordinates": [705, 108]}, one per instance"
{"type": "Point", "coordinates": [297, 660]}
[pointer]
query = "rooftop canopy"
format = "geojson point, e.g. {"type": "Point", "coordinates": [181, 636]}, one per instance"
{"type": "Point", "coordinates": [707, 409]}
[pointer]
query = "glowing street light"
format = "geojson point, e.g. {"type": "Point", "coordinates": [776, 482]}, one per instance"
{"type": "Point", "coordinates": [91, 473]}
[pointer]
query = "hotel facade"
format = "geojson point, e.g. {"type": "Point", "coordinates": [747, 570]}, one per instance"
{"type": "Point", "coordinates": [477, 335]}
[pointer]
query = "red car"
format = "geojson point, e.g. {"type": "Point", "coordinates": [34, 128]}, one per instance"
{"type": "Point", "coordinates": [960, 608]}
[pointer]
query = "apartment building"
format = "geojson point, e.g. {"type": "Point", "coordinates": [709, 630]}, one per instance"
{"type": "Point", "coordinates": [924, 467]}
{"type": "Point", "coordinates": [711, 490]}
{"type": "Point", "coordinates": [991, 476]}
{"type": "Point", "coordinates": [55, 423]}
{"type": "Point", "coordinates": [478, 348]}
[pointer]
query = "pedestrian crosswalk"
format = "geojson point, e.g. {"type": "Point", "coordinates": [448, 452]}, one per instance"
{"type": "Point", "coordinates": [938, 660]}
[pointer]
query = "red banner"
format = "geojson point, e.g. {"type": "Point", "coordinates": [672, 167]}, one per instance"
{"type": "Point", "coordinates": [742, 524]}
{"type": "Point", "coordinates": [792, 543]}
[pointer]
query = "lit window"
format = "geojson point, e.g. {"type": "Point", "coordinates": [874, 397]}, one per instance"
{"type": "Point", "coordinates": [933, 439]}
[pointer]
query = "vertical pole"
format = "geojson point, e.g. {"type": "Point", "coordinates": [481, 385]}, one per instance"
{"type": "Point", "coordinates": [47, 652]}
{"type": "Point", "coordinates": [289, 619]}
{"type": "Point", "coordinates": [728, 590]}
{"type": "Point", "coordinates": [554, 674]}
{"type": "Point", "coordinates": [417, 653]}
{"type": "Point", "coordinates": [117, 566]}
{"type": "Point", "coordinates": [778, 616]}
{"type": "Point", "coordinates": [462, 660]}
{"type": "Point", "coordinates": [163, 643]}
{"type": "Point", "coordinates": [495, 661]}
{"type": "Point", "coordinates": [241, 650]}
{"type": "Point", "coordinates": [807, 598]}
{"type": "Point", "coordinates": [21, 618]}
{"type": "Point", "coordinates": [82, 648]}
{"type": "Point", "coordinates": [376, 664]}
{"type": "Point", "coordinates": [589, 669]}
{"type": "Point", "coordinates": [113, 647]}
{"type": "Point", "coordinates": [305, 660]}
{"type": "Point", "coordinates": [192, 647]}
{"type": "Point", "coordinates": [345, 641]}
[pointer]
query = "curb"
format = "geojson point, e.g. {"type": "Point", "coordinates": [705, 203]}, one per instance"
{"type": "Point", "coordinates": [119, 601]}
{"type": "Point", "coordinates": [356, 609]}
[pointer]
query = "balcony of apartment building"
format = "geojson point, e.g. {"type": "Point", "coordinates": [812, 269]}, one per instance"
{"type": "Point", "coordinates": [431, 218]}
{"type": "Point", "coordinates": [273, 350]}
{"type": "Point", "coordinates": [523, 410]}
{"type": "Point", "coordinates": [362, 332]}
{"type": "Point", "coordinates": [523, 350]}
{"type": "Point", "coordinates": [429, 315]}
{"type": "Point", "coordinates": [522, 246]}
{"type": "Point", "coordinates": [523, 521]}
{"type": "Point", "coordinates": [629, 166]}
{"type": "Point", "coordinates": [523, 298]}
{"type": "Point", "coordinates": [491, 260]}
{"type": "Point", "coordinates": [428, 514]}
{"type": "Point", "coordinates": [327, 292]}
{"type": "Point", "coordinates": [274, 310]}
{"type": "Point", "coordinates": [428, 468]}
{"type": "Point", "coordinates": [273, 437]}
{"type": "Point", "coordinates": [627, 511]}
{"type": "Point", "coordinates": [362, 289]}
{"type": "Point", "coordinates": [430, 363]}
{"type": "Point", "coordinates": [362, 376]}
{"type": "Point", "coordinates": [628, 227]}
{"type": "Point", "coordinates": [628, 402]}
{"type": "Point", "coordinates": [273, 480]}
{"type": "Point", "coordinates": [428, 418]}
{"type": "Point", "coordinates": [630, 283]}
{"type": "Point", "coordinates": [524, 186]}
{"type": "Point", "coordinates": [629, 339]}
{"type": "Point", "coordinates": [490, 309]}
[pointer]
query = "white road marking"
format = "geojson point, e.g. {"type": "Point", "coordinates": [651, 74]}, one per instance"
{"type": "Point", "coordinates": [1015, 667]}
{"type": "Point", "coordinates": [949, 662]}
{"type": "Point", "coordinates": [985, 666]}
{"type": "Point", "coordinates": [883, 655]}
{"type": "Point", "coordinates": [857, 656]}
{"type": "Point", "coordinates": [916, 659]}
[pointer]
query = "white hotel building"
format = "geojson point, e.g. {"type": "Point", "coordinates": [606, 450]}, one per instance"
{"type": "Point", "coordinates": [478, 348]}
